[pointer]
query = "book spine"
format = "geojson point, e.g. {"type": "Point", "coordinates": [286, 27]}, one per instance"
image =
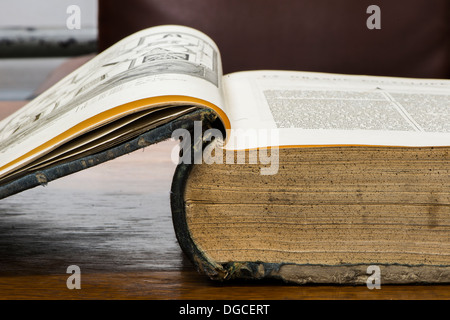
{"type": "Point", "coordinates": [199, 258]}
{"type": "Point", "coordinates": [349, 274]}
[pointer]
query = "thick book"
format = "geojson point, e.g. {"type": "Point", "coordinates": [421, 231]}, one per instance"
{"type": "Point", "coordinates": [300, 176]}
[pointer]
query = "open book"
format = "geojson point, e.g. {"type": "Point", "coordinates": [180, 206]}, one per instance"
{"type": "Point", "coordinates": [345, 151]}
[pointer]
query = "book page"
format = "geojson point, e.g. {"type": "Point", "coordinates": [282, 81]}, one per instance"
{"type": "Point", "coordinates": [314, 109]}
{"type": "Point", "coordinates": [179, 65]}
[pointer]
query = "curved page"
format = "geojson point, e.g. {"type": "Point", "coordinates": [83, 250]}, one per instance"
{"type": "Point", "coordinates": [156, 67]}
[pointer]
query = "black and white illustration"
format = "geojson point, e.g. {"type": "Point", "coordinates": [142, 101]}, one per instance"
{"type": "Point", "coordinates": [145, 57]}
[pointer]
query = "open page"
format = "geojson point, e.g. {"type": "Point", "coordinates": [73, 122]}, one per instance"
{"type": "Point", "coordinates": [317, 109]}
{"type": "Point", "coordinates": [161, 66]}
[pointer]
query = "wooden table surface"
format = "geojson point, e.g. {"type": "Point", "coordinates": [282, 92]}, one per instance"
{"type": "Point", "coordinates": [114, 222]}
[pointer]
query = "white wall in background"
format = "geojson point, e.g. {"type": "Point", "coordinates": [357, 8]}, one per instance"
{"type": "Point", "coordinates": [20, 77]}
{"type": "Point", "coordinates": [45, 13]}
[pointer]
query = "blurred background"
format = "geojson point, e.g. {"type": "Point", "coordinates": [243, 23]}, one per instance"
{"type": "Point", "coordinates": [38, 42]}
{"type": "Point", "coordinates": [35, 39]}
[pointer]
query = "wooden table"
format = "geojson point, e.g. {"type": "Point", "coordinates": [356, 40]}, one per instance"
{"type": "Point", "coordinates": [114, 222]}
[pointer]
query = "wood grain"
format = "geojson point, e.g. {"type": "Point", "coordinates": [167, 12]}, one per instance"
{"type": "Point", "coordinates": [189, 285]}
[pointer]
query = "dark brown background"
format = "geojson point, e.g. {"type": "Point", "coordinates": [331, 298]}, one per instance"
{"type": "Point", "coordinates": [319, 35]}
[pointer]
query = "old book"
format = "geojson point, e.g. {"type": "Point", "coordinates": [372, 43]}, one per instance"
{"type": "Point", "coordinates": [327, 216]}
{"type": "Point", "coordinates": [305, 177]}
